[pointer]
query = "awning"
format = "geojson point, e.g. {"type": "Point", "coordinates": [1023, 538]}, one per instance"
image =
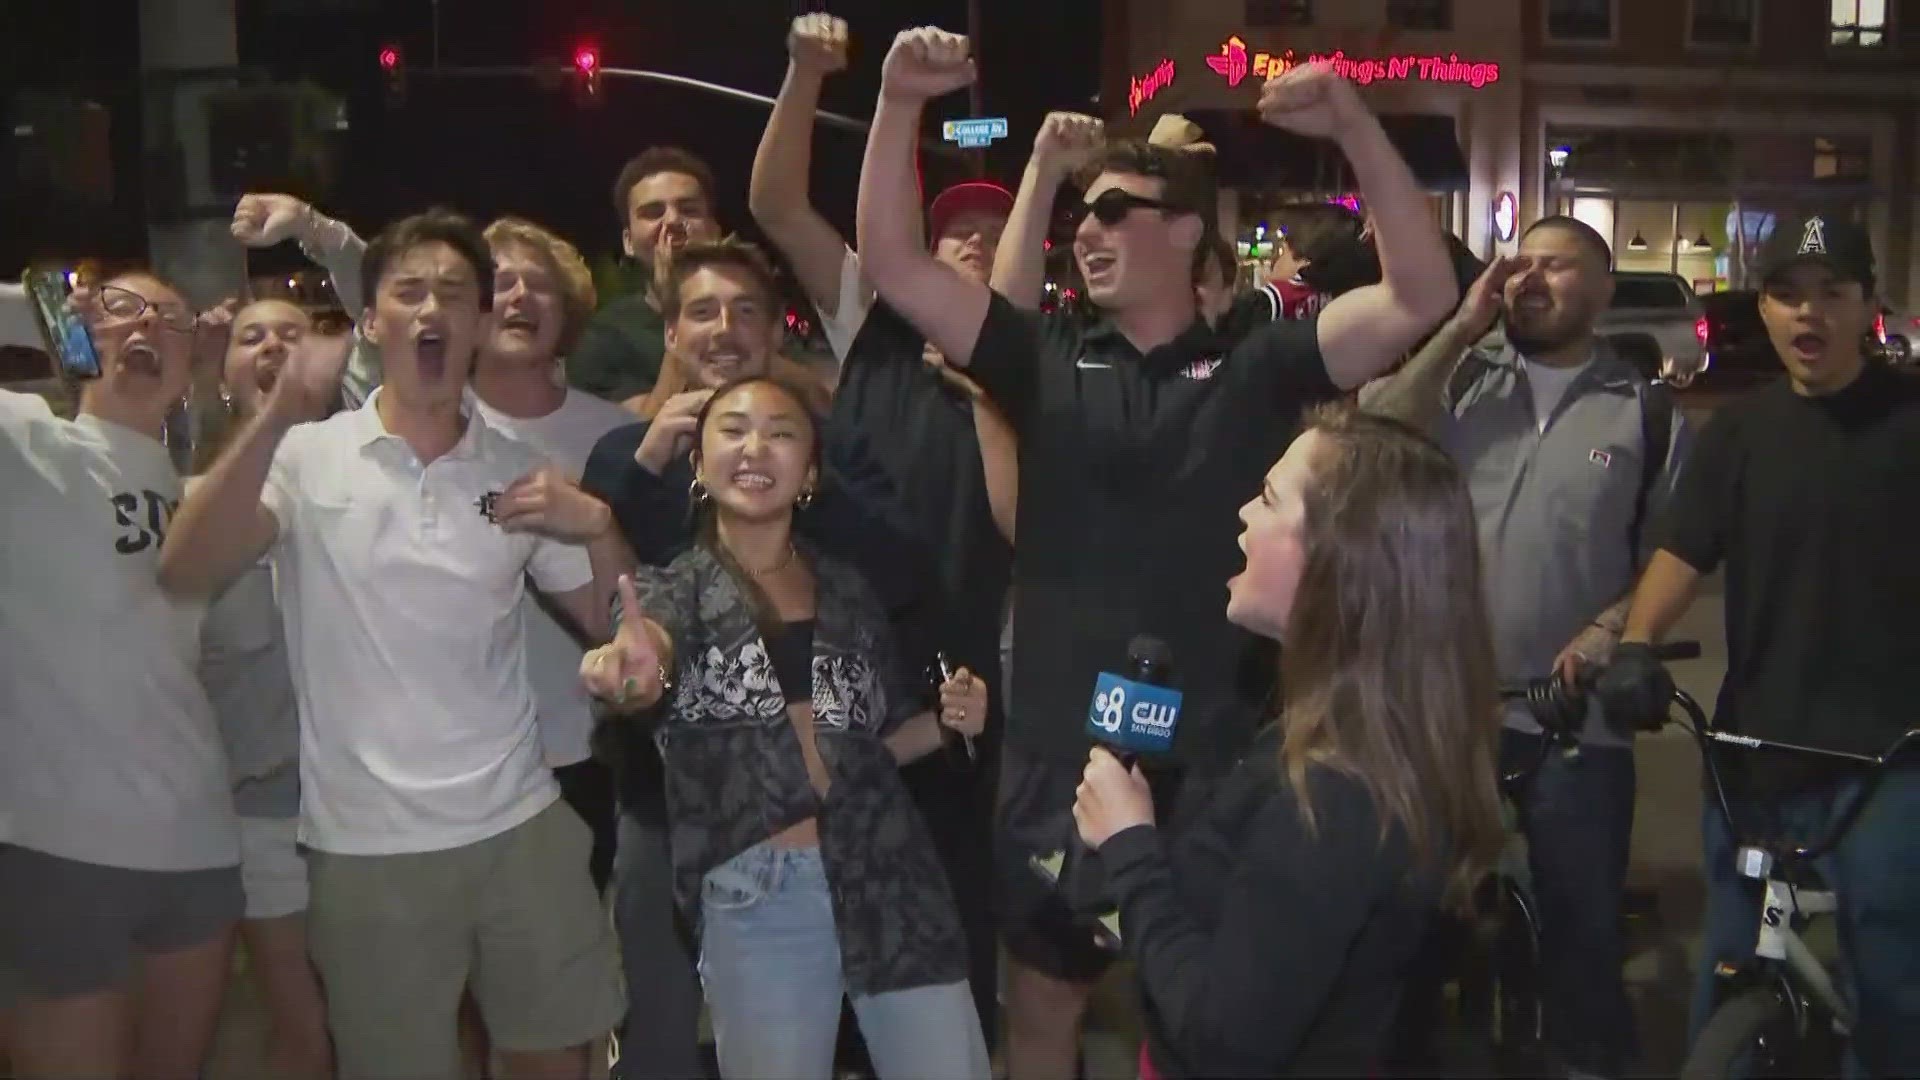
{"type": "Point", "coordinates": [1255, 154]}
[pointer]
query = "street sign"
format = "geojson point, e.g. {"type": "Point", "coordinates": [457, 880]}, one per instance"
{"type": "Point", "coordinates": [973, 134]}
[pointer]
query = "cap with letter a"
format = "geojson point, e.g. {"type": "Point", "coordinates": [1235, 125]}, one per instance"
{"type": "Point", "coordinates": [1832, 241]}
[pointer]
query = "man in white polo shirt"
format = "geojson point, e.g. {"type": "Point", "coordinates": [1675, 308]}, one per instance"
{"type": "Point", "coordinates": [403, 533]}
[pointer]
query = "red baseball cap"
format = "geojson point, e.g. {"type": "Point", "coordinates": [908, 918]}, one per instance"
{"type": "Point", "coordinates": [960, 198]}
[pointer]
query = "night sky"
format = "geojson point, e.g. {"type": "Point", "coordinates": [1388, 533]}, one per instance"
{"type": "Point", "coordinates": [496, 146]}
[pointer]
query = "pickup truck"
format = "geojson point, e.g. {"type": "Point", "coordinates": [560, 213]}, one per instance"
{"type": "Point", "coordinates": [1657, 306]}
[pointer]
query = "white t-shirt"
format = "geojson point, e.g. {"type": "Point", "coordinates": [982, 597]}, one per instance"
{"type": "Point", "coordinates": [402, 603]}
{"type": "Point", "coordinates": [109, 753]}
{"type": "Point", "coordinates": [1549, 385]}
{"type": "Point", "coordinates": [565, 437]}
{"type": "Point", "coordinates": [850, 313]}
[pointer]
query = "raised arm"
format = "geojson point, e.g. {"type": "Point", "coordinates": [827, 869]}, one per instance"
{"type": "Point", "coordinates": [225, 523]}
{"type": "Point", "coordinates": [945, 307]}
{"type": "Point", "coordinates": [263, 220]}
{"type": "Point", "coordinates": [1064, 143]}
{"type": "Point", "coordinates": [1416, 393]}
{"type": "Point", "coordinates": [778, 194]}
{"type": "Point", "coordinates": [633, 671]}
{"type": "Point", "coordinates": [1365, 331]}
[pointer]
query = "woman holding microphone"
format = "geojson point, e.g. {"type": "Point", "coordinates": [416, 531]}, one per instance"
{"type": "Point", "coordinates": [1275, 938]}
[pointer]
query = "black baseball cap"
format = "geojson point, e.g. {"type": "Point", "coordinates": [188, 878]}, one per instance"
{"type": "Point", "coordinates": [1834, 241]}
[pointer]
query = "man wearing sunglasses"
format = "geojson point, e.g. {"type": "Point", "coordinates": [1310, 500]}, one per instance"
{"type": "Point", "coordinates": [1140, 435]}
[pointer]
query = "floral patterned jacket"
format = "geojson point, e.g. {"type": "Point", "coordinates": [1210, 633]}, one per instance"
{"type": "Point", "coordinates": [735, 775]}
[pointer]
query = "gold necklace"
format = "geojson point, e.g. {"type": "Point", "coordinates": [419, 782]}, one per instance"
{"type": "Point", "coordinates": [777, 567]}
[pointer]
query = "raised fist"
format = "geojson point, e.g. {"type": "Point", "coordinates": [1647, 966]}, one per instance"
{"type": "Point", "coordinates": [265, 220]}
{"type": "Point", "coordinates": [1310, 99]}
{"type": "Point", "coordinates": [926, 63]}
{"type": "Point", "coordinates": [818, 43]}
{"type": "Point", "coordinates": [1068, 141]}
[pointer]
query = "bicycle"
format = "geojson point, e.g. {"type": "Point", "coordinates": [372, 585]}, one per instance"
{"type": "Point", "coordinates": [1781, 1013]}
{"type": "Point", "coordinates": [1501, 997]}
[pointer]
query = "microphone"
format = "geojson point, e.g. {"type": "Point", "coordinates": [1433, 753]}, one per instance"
{"type": "Point", "coordinates": [1130, 715]}
{"type": "Point", "coordinates": [1137, 713]}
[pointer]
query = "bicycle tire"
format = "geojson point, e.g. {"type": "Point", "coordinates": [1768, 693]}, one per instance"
{"type": "Point", "coordinates": [1735, 1029]}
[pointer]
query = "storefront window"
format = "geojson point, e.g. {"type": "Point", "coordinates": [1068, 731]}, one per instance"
{"type": "Point", "coordinates": [1859, 22]}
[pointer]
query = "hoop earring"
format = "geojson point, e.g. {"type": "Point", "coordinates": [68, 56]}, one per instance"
{"type": "Point", "coordinates": [697, 493]}
{"type": "Point", "coordinates": [805, 500]}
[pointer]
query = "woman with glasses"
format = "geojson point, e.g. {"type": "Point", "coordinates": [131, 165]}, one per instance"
{"type": "Point", "coordinates": [119, 854]}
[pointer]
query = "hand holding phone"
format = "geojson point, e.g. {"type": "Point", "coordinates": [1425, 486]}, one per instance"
{"type": "Point", "coordinates": [58, 309]}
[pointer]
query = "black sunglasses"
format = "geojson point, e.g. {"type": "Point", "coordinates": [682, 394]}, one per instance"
{"type": "Point", "coordinates": [1114, 205]}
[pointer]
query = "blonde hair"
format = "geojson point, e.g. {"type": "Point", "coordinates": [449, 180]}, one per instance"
{"type": "Point", "coordinates": [577, 294]}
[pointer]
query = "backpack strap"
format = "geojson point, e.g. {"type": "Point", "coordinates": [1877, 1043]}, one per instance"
{"type": "Point", "coordinates": [1656, 435]}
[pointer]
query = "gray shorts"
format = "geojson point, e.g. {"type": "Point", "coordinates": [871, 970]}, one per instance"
{"type": "Point", "coordinates": [69, 927]}
{"type": "Point", "coordinates": [398, 938]}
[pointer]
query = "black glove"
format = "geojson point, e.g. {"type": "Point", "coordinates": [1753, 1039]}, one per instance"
{"type": "Point", "coordinates": [1635, 690]}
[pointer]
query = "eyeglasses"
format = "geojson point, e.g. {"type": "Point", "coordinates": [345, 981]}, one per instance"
{"type": "Point", "coordinates": [127, 305]}
{"type": "Point", "coordinates": [1114, 205]}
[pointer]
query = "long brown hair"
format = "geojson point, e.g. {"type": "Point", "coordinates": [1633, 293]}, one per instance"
{"type": "Point", "coordinates": [1388, 671]}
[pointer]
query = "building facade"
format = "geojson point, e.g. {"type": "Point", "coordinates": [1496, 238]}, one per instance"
{"type": "Point", "coordinates": [1680, 129]}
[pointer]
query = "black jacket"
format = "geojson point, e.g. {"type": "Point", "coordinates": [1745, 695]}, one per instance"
{"type": "Point", "coordinates": [1263, 947]}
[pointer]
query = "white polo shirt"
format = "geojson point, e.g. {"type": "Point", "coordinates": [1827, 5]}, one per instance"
{"type": "Point", "coordinates": [565, 437]}
{"type": "Point", "coordinates": [109, 752]}
{"type": "Point", "coordinates": [407, 635]}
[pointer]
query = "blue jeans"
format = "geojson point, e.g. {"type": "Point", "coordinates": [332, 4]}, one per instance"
{"type": "Point", "coordinates": [660, 1038]}
{"type": "Point", "coordinates": [1577, 814]}
{"type": "Point", "coordinates": [1875, 869]}
{"type": "Point", "coordinates": [770, 959]}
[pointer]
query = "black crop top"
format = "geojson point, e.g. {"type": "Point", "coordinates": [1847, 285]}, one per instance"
{"type": "Point", "coordinates": [790, 650]}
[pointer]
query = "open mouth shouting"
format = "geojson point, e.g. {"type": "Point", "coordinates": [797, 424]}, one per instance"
{"type": "Point", "coordinates": [430, 352]}
{"type": "Point", "coordinates": [520, 323]}
{"type": "Point", "coordinates": [1098, 264]}
{"type": "Point", "coordinates": [1809, 345]}
{"type": "Point", "coordinates": [139, 357]}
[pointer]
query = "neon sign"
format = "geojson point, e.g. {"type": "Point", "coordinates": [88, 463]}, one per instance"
{"type": "Point", "coordinates": [1234, 63]}
{"type": "Point", "coordinates": [1142, 88]}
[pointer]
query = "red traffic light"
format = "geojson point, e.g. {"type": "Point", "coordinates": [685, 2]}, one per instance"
{"type": "Point", "coordinates": [587, 59]}
{"type": "Point", "coordinates": [389, 58]}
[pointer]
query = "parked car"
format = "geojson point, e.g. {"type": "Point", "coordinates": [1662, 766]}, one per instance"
{"type": "Point", "coordinates": [1897, 334]}
{"type": "Point", "coordinates": [1738, 354]}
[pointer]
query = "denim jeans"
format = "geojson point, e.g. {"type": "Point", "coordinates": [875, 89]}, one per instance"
{"type": "Point", "coordinates": [660, 1037]}
{"type": "Point", "coordinates": [1577, 815]}
{"type": "Point", "coordinates": [770, 960]}
{"type": "Point", "coordinates": [1875, 870]}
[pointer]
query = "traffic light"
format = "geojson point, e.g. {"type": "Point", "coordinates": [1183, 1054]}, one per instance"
{"type": "Point", "coordinates": [586, 73]}
{"type": "Point", "coordinates": [393, 68]}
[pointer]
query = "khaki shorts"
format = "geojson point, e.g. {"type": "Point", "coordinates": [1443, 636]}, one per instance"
{"type": "Point", "coordinates": [397, 938]}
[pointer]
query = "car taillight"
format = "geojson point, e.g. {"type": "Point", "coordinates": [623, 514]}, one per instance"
{"type": "Point", "coordinates": [1700, 329]}
{"type": "Point", "coordinates": [1880, 327]}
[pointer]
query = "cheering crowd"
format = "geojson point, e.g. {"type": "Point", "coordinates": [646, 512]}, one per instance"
{"type": "Point", "coordinates": [517, 674]}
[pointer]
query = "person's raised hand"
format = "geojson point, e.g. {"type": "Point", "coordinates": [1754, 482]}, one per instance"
{"type": "Point", "coordinates": [818, 44]}
{"type": "Point", "coordinates": [1481, 306]}
{"type": "Point", "coordinates": [670, 434]}
{"type": "Point", "coordinates": [626, 673]}
{"type": "Point", "coordinates": [925, 63]}
{"type": "Point", "coordinates": [1068, 141]}
{"type": "Point", "coordinates": [308, 386]}
{"type": "Point", "coordinates": [1310, 99]}
{"type": "Point", "coordinates": [265, 220]}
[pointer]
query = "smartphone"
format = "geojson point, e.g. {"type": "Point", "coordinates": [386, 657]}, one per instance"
{"type": "Point", "coordinates": [68, 340]}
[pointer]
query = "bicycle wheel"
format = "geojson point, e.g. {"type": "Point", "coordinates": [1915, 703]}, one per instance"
{"type": "Point", "coordinates": [1752, 1033]}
